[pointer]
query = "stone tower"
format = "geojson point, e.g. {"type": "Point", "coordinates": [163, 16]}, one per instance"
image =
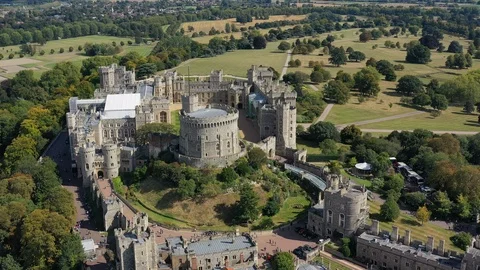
{"type": "Point", "coordinates": [87, 155]}
{"type": "Point", "coordinates": [159, 87]}
{"type": "Point", "coordinates": [286, 127]}
{"type": "Point", "coordinates": [190, 103]}
{"type": "Point", "coordinates": [110, 155]}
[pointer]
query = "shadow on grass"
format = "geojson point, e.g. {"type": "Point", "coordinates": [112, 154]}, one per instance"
{"type": "Point", "coordinates": [410, 222]}
{"type": "Point", "coordinates": [226, 213]}
{"type": "Point", "coordinates": [376, 216]}
{"type": "Point", "coordinates": [321, 158]}
{"type": "Point", "coordinates": [167, 200]}
{"type": "Point", "coordinates": [464, 113]}
{"type": "Point", "coordinates": [415, 107]}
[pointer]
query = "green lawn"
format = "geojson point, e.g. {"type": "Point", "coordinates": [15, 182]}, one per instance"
{"type": "Point", "coordinates": [291, 208]}
{"type": "Point", "coordinates": [175, 117]}
{"type": "Point", "coordinates": [237, 62]}
{"type": "Point", "coordinates": [418, 231]}
{"type": "Point", "coordinates": [453, 119]}
{"type": "Point", "coordinates": [329, 263]}
{"type": "Point", "coordinates": [359, 181]}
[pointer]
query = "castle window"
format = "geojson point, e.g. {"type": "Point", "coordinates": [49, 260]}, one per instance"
{"type": "Point", "coordinates": [132, 132]}
{"type": "Point", "coordinates": [163, 117]}
{"type": "Point", "coordinates": [105, 133]}
{"type": "Point", "coordinates": [206, 138]}
{"type": "Point", "coordinates": [384, 264]}
{"type": "Point", "coordinates": [180, 260]}
{"type": "Point", "coordinates": [87, 166]}
{"type": "Point", "coordinates": [111, 133]}
{"type": "Point", "coordinates": [329, 216]}
{"type": "Point", "coordinates": [418, 268]}
{"type": "Point", "coordinates": [218, 146]}
{"type": "Point", "coordinates": [234, 257]}
{"type": "Point", "coordinates": [342, 220]}
{"type": "Point", "coordinates": [407, 264]}
{"type": "Point", "coordinates": [112, 164]}
{"type": "Point", "coordinates": [228, 144]}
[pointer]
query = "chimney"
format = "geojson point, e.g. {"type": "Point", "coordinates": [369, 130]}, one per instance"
{"type": "Point", "coordinates": [375, 228]}
{"type": "Point", "coordinates": [441, 247]}
{"type": "Point", "coordinates": [394, 236]}
{"type": "Point", "coordinates": [430, 243]}
{"type": "Point", "coordinates": [406, 239]}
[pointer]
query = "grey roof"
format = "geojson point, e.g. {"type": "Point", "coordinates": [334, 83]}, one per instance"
{"type": "Point", "coordinates": [207, 113]}
{"type": "Point", "coordinates": [473, 251]}
{"type": "Point", "coordinates": [310, 267]}
{"type": "Point", "coordinates": [312, 178]}
{"type": "Point", "coordinates": [450, 261]}
{"type": "Point", "coordinates": [219, 245]}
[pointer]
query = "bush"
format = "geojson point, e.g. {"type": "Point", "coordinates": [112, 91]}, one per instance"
{"type": "Point", "coordinates": [80, 48]}
{"type": "Point", "coordinates": [42, 52]}
{"type": "Point", "coordinates": [264, 224]}
{"type": "Point", "coordinates": [52, 51]}
{"type": "Point", "coordinates": [462, 240]}
{"type": "Point", "coordinates": [389, 211]}
{"type": "Point", "coordinates": [11, 56]}
{"type": "Point", "coordinates": [70, 49]}
{"type": "Point", "coordinates": [62, 50]}
{"type": "Point", "coordinates": [21, 55]}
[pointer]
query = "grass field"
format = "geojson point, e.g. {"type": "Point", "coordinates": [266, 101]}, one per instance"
{"type": "Point", "coordinates": [219, 25]}
{"type": "Point", "coordinates": [329, 263]}
{"type": "Point", "coordinates": [453, 119]}
{"type": "Point", "coordinates": [237, 35]}
{"type": "Point", "coordinates": [237, 62]}
{"type": "Point", "coordinates": [418, 232]}
{"type": "Point", "coordinates": [48, 60]}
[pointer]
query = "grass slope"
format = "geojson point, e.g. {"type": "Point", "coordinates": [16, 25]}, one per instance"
{"type": "Point", "coordinates": [237, 62]}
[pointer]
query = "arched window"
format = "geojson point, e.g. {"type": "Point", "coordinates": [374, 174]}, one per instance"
{"type": "Point", "coordinates": [163, 117]}
{"type": "Point", "coordinates": [87, 166]}
{"type": "Point", "coordinates": [342, 220]}
{"type": "Point", "coordinates": [329, 216]}
{"type": "Point", "coordinates": [228, 144]}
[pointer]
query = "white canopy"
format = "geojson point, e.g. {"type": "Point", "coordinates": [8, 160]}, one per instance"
{"type": "Point", "coordinates": [363, 166]}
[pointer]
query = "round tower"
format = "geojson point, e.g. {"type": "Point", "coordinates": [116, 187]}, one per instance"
{"type": "Point", "coordinates": [111, 160]}
{"type": "Point", "coordinates": [87, 159]}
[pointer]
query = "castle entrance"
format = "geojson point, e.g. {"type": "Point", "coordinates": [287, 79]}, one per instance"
{"type": "Point", "coordinates": [100, 174]}
{"type": "Point", "coordinates": [270, 153]}
{"type": "Point", "coordinates": [240, 106]}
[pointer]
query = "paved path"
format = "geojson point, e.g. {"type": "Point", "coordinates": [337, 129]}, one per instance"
{"type": "Point", "coordinates": [434, 131]}
{"type": "Point", "coordinates": [322, 117]}
{"type": "Point", "coordinates": [314, 87]}
{"type": "Point", "coordinates": [383, 119]}
{"type": "Point", "coordinates": [285, 67]}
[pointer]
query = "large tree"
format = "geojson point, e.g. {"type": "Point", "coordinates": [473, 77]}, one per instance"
{"type": "Point", "coordinates": [366, 81]}
{"type": "Point", "coordinates": [455, 47]}
{"type": "Point", "coordinates": [410, 85]}
{"type": "Point", "coordinates": [337, 91]}
{"type": "Point", "coordinates": [283, 261]}
{"type": "Point", "coordinates": [247, 206]}
{"type": "Point", "coordinates": [337, 56]}
{"type": "Point", "coordinates": [418, 54]}
{"type": "Point", "coordinates": [323, 130]}
{"type": "Point", "coordinates": [350, 134]}
{"type": "Point", "coordinates": [389, 211]}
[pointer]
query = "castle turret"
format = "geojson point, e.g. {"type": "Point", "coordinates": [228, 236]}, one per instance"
{"type": "Point", "coordinates": [87, 158]}
{"type": "Point", "coordinates": [190, 103]}
{"type": "Point", "coordinates": [110, 154]}
{"type": "Point", "coordinates": [158, 87]}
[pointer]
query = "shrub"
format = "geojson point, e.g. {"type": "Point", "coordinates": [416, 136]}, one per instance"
{"type": "Point", "coordinates": [70, 49]}
{"type": "Point", "coordinates": [11, 56]}
{"type": "Point", "coordinates": [61, 50]}
{"type": "Point", "coordinates": [461, 240]}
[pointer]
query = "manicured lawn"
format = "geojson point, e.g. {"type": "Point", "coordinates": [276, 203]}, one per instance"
{"type": "Point", "coordinates": [329, 263]}
{"type": "Point", "coordinates": [453, 119]}
{"type": "Point", "coordinates": [175, 118]}
{"type": "Point", "coordinates": [418, 232]}
{"type": "Point", "coordinates": [237, 62]}
{"type": "Point", "coordinates": [291, 208]}
{"type": "Point", "coordinates": [359, 181]}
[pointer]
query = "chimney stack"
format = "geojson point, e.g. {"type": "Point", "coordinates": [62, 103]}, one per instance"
{"type": "Point", "coordinates": [441, 247]}
{"type": "Point", "coordinates": [375, 228]}
{"type": "Point", "coordinates": [394, 236]}
{"type": "Point", "coordinates": [430, 243]}
{"type": "Point", "coordinates": [406, 239]}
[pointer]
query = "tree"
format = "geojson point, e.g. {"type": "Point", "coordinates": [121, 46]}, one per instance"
{"type": "Point", "coordinates": [328, 147]}
{"type": "Point", "coordinates": [337, 90]}
{"type": "Point", "coordinates": [442, 206]}
{"type": "Point", "coordinates": [345, 248]}
{"type": "Point", "coordinates": [72, 252]}
{"type": "Point", "coordinates": [9, 263]}
{"type": "Point", "coordinates": [257, 157]}
{"type": "Point", "coordinates": [345, 78]}
{"type": "Point", "coordinates": [228, 176]}
{"type": "Point", "coordinates": [356, 56]}
{"type": "Point", "coordinates": [337, 56]}
{"type": "Point", "coordinates": [84, 90]}
{"type": "Point", "coordinates": [284, 46]}
{"type": "Point", "coordinates": [462, 240]}
{"type": "Point", "coordinates": [20, 148]}
{"type": "Point", "coordinates": [422, 100]}
{"type": "Point", "coordinates": [272, 206]}
{"type": "Point", "coordinates": [418, 54]}
{"type": "Point", "coordinates": [365, 36]}
{"type": "Point", "coordinates": [350, 134]}
{"type": "Point", "coordinates": [409, 85]}
{"type": "Point", "coordinates": [366, 81]}
{"type": "Point", "coordinates": [142, 134]}
{"type": "Point", "coordinates": [59, 200]}
{"type": "Point", "coordinates": [389, 211]}
{"type": "Point", "coordinates": [146, 70]}
{"type": "Point", "coordinates": [186, 188]}
{"type": "Point", "coordinates": [463, 208]}
{"type": "Point", "coordinates": [247, 206]}
{"type": "Point", "coordinates": [296, 77]}
{"type": "Point", "coordinates": [371, 62]}
{"type": "Point", "coordinates": [415, 199]}
{"type": "Point", "coordinates": [439, 102]}
{"type": "Point", "coordinates": [283, 261]}
{"type": "Point", "coordinates": [316, 77]}
{"type": "Point", "coordinates": [423, 215]}
{"type": "Point", "coordinates": [383, 66]}
{"type": "Point", "coordinates": [323, 130]}
{"type": "Point", "coordinates": [259, 42]}
{"type": "Point", "coordinates": [455, 47]}
{"type": "Point", "coordinates": [469, 107]}
{"type": "Point", "coordinates": [227, 28]}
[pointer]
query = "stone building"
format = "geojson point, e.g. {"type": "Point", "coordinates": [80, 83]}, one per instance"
{"type": "Point", "coordinates": [236, 252]}
{"type": "Point", "coordinates": [136, 247]}
{"type": "Point", "coordinates": [384, 251]}
{"type": "Point", "coordinates": [471, 260]}
{"type": "Point", "coordinates": [208, 135]}
{"type": "Point", "coordinates": [115, 79]}
{"type": "Point", "coordinates": [342, 210]}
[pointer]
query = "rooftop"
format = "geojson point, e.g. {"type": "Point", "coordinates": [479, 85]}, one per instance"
{"type": "Point", "coordinates": [207, 113]}
{"type": "Point", "coordinates": [312, 178]}
{"type": "Point", "coordinates": [88, 244]}
{"type": "Point", "coordinates": [219, 245]}
{"type": "Point", "coordinates": [121, 106]}
{"type": "Point", "coordinates": [419, 253]}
